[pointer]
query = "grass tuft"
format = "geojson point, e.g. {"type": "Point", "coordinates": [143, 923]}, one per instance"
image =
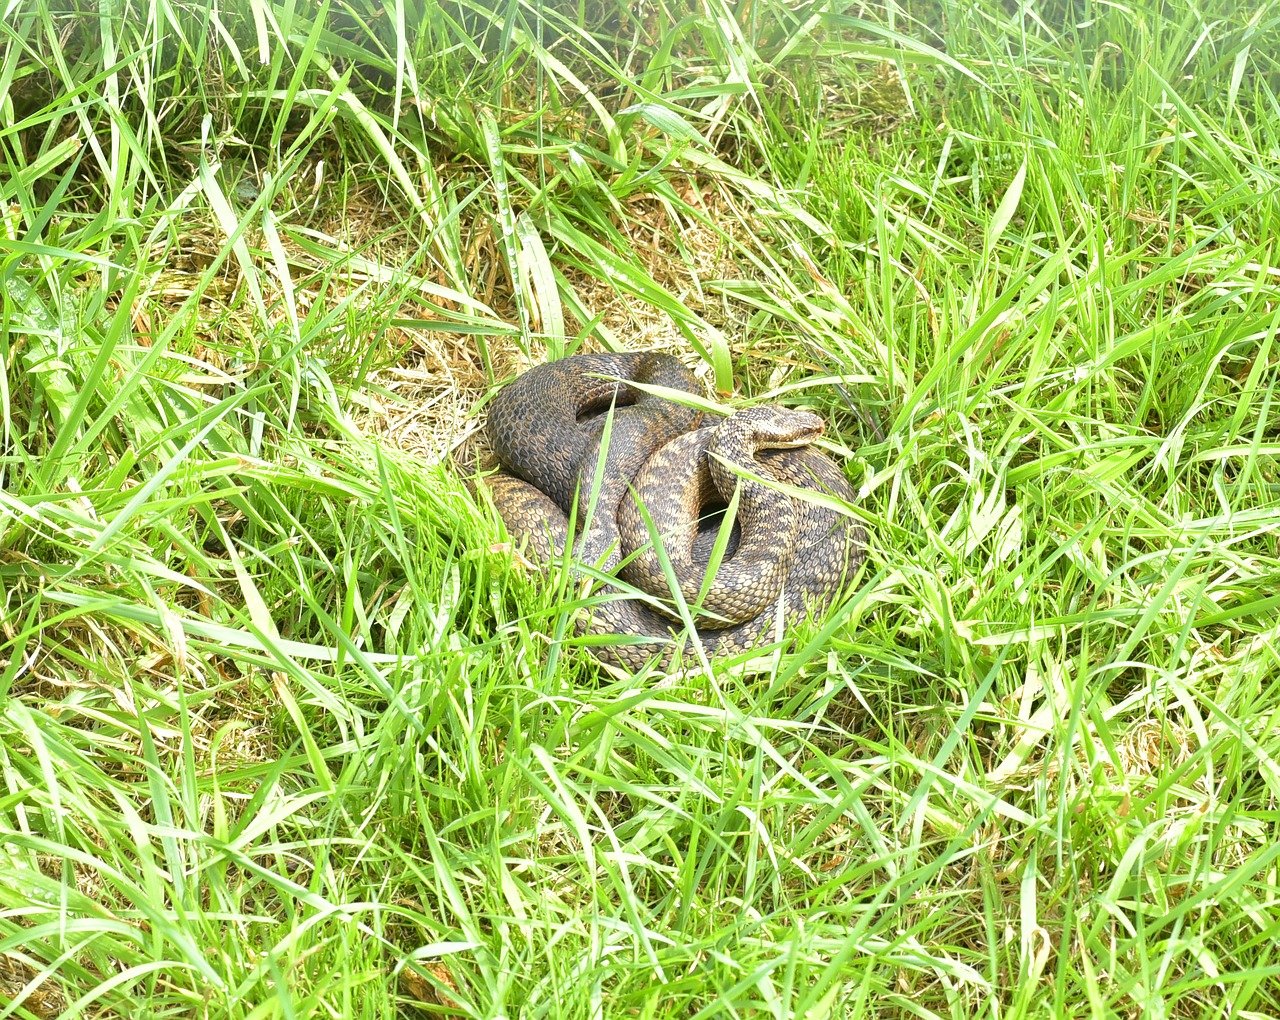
{"type": "Point", "coordinates": [286, 730]}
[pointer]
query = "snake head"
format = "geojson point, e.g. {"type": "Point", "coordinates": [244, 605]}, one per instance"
{"type": "Point", "coordinates": [777, 428]}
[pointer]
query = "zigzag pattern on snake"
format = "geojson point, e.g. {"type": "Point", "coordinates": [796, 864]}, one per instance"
{"type": "Point", "coordinates": [581, 428]}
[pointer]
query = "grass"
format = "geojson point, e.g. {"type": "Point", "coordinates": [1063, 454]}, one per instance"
{"type": "Point", "coordinates": [285, 732]}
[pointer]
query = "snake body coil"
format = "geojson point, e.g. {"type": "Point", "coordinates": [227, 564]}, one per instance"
{"type": "Point", "coordinates": [562, 432]}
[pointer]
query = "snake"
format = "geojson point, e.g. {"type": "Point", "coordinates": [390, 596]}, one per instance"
{"type": "Point", "coordinates": [599, 455]}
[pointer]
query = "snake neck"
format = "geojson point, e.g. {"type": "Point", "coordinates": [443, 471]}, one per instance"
{"type": "Point", "coordinates": [739, 440]}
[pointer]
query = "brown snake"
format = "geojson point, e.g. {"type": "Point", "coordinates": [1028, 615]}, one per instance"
{"type": "Point", "coordinates": [548, 429]}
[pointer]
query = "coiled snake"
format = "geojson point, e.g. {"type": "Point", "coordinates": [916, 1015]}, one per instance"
{"type": "Point", "coordinates": [581, 427]}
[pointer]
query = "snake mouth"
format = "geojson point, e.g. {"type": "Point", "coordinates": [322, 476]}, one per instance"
{"type": "Point", "coordinates": [803, 436]}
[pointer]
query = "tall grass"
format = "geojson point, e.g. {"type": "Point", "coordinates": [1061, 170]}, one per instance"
{"type": "Point", "coordinates": [284, 731]}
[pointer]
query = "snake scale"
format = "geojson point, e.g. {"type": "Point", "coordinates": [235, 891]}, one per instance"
{"type": "Point", "coordinates": [583, 428]}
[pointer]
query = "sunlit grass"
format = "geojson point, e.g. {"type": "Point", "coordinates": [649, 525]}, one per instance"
{"type": "Point", "coordinates": [285, 731]}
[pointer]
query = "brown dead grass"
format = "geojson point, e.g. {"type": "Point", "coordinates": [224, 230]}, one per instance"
{"type": "Point", "coordinates": [42, 997]}
{"type": "Point", "coordinates": [426, 405]}
{"type": "Point", "coordinates": [424, 402]}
